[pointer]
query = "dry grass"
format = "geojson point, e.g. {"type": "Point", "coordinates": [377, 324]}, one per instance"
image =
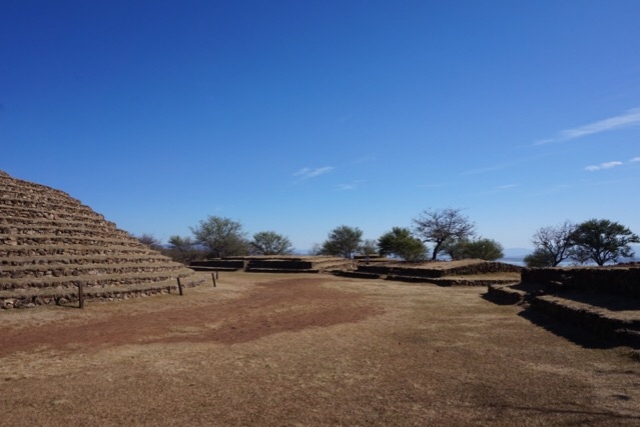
{"type": "Point", "coordinates": [266, 349]}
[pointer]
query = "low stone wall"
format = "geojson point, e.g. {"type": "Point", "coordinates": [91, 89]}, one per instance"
{"type": "Point", "coordinates": [619, 281]}
{"type": "Point", "coordinates": [584, 318]}
{"type": "Point", "coordinates": [67, 296]}
{"type": "Point", "coordinates": [219, 263]}
{"type": "Point", "coordinates": [274, 264]}
{"type": "Point", "coordinates": [422, 272]}
{"type": "Point", "coordinates": [504, 294]}
{"type": "Point", "coordinates": [255, 264]}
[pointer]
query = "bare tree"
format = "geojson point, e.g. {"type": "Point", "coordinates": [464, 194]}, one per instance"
{"type": "Point", "coordinates": [438, 225]}
{"type": "Point", "coordinates": [368, 247]}
{"type": "Point", "coordinates": [315, 250]}
{"type": "Point", "coordinates": [182, 249]}
{"type": "Point", "coordinates": [553, 243]}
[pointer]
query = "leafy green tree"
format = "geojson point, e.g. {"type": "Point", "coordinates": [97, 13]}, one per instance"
{"type": "Point", "coordinates": [485, 249]}
{"type": "Point", "coordinates": [270, 243]}
{"type": "Point", "coordinates": [222, 236]}
{"type": "Point", "coordinates": [342, 241]}
{"type": "Point", "coordinates": [602, 241]}
{"type": "Point", "coordinates": [539, 258]}
{"type": "Point", "coordinates": [401, 243]}
{"type": "Point", "coordinates": [439, 225]}
{"type": "Point", "coordinates": [553, 244]}
{"type": "Point", "coordinates": [181, 243]}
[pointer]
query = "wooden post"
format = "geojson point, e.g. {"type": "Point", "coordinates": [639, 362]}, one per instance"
{"type": "Point", "coordinates": [180, 286]}
{"type": "Point", "coordinates": [80, 296]}
{"type": "Point", "coordinates": [213, 277]}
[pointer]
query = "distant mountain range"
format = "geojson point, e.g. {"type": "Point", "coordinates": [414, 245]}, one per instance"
{"type": "Point", "coordinates": [517, 252]}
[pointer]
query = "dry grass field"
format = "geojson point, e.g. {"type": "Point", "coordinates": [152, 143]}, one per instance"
{"type": "Point", "coordinates": [298, 350]}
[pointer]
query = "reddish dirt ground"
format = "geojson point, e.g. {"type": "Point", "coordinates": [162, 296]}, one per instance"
{"type": "Point", "coordinates": [272, 307]}
{"type": "Point", "coordinates": [275, 350]}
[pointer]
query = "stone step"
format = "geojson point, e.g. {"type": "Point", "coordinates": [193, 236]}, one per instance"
{"type": "Point", "coordinates": [24, 230]}
{"type": "Point", "coordinates": [55, 240]}
{"type": "Point", "coordinates": [600, 320]}
{"type": "Point", "coordinates": [356, 274]}
{"type": "Point", "coordinates": [72, 270]}
{"type": "Point", "coordinates": [97, 224]}
{"type": "Point", "coordinates": [71, 250]}
{"type": "Point", "coordinates": [13, 192]}
{"type": "Point", "coordinates": [28, 299]}
{"type": "Point", "coordinates": [505, 294]}
{"type": "Point", "coordinates": [114, 279]}
{"type": "Point", "coordinates": [81, 260]}
{"type": "Point", "coordinates": [45, 223]}
{"type": "Point", "coordinates": [32, 189]}
{"type": "Point", "coordinates": [46, 205]}
{"type": "Point", "coordinates": [11, 213]}
{"type": "Point", "coordinates": [211, 269]}
{"type": "Point", "coordinates": [280, 270]}
{"type": "Point", "coordinates": [445, 281]}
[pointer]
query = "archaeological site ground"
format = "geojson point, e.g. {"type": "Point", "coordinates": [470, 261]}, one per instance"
{"type": "Point", "coordinates": [297, 341]}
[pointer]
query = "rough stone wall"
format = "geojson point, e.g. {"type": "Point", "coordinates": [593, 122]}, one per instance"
{"type": "Point", "coordinates": [50, 243]}
{"type": "Point", "coordinates": [477, 268]}
{"type": "Point", "coordinates": [613, 280]}
{"type": "Point", "coordinates": [219, 263]}
{"type": "Point", "coordinates": [280, 263]}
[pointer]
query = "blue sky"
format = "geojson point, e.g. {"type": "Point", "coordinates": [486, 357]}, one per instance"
{"type": "Point", "coordinates": [300, 116]}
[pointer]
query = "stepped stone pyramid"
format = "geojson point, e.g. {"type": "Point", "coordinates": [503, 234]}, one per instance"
{"type": "Point", "coordinates": [50, 243]}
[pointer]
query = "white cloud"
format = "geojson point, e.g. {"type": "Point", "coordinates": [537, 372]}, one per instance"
{"type": "Point", "coordinates": [346, 187]}
{"type": "Point", "coordinates": [629, 118]}
{"type": "Point", "coordinates": [506, 187]}
{"type": "Point", "coordinates": [635, 159]}
{"type": "Point", "coordinates": [601, 166]}
{"type": "Point", "coordinates": [482, 170]}
{"type": "Point", "coordinates": [497, 190]}
{"type": "Point", "coordinates": [351, 186]}
{"type": "Point", "coordinates": [306, 173]}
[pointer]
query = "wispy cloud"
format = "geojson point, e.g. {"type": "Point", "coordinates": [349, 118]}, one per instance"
{"type": "Point", "coordinates": [601, 166]}
{"type": "Point", "coordinates": [627, 119]}
{"type": "Point", "coordinates": [306, 173]}
{"type": "Point", "coordinates": [351, 186]}
{"type": "Point", "coordinates": [346, 187]}
{"type": "Point", "coordinates": [483, 170]}
{"type": "Point", "coordinates": [635, 159]}
{"type": "Point", "coordinates": [498, 189]}
{"type": "Point", "coordinates": [506, 187]}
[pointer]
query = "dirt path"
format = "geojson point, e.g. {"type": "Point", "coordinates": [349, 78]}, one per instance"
{"type": "Point", "coordinates": [305, 350]}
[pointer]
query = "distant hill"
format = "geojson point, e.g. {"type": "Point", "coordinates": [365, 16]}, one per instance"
{"type": "Point", "coordinates": [516, 252]}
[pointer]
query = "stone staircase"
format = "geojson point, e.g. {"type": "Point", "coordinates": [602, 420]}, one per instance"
{"type": "Point", "coordinates": [599, 302]}
{"type": "Point", "coordinates": [50, 243]}
{"type": "Point", "coordinates": [442, 273]}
